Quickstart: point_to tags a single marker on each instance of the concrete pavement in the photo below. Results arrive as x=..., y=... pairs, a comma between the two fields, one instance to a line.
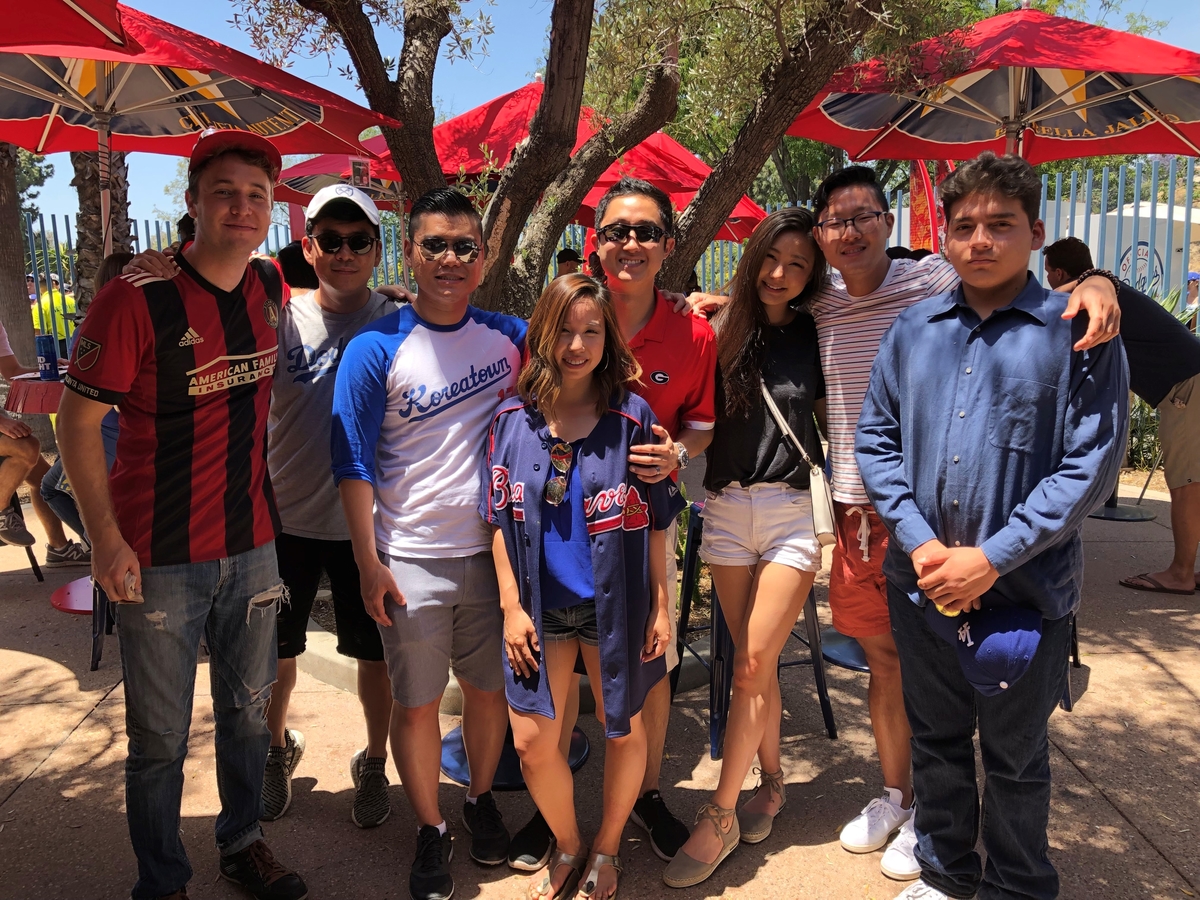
x=1126, y=766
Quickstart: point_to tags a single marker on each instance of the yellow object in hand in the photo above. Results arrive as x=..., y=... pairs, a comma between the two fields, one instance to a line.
x=951, y=613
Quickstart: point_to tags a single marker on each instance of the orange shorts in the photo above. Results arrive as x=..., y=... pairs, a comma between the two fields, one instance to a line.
x=857, y=588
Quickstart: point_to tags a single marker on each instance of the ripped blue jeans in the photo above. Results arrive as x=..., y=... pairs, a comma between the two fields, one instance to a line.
x=232, y=604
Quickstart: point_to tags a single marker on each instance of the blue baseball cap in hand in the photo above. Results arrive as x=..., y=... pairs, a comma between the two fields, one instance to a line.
x=995, y=645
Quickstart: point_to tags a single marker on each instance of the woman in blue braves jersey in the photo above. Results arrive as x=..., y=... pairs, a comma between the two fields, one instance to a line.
x=579, y=545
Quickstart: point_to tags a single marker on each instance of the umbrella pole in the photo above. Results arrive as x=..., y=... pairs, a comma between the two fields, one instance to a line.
x=105, y=159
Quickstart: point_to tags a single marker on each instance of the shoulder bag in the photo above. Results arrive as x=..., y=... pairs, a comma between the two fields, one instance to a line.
x=818, y=484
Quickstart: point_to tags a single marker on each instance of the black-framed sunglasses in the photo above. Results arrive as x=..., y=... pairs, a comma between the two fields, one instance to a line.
x=619, y=232
x=331, y=242
x=466, y=251
x=561, y=454
x=864, y=223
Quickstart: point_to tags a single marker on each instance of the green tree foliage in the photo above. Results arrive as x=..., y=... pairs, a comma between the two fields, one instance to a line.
x=32, y=172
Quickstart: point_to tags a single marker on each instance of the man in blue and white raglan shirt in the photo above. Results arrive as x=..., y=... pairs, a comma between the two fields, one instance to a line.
x=414, y=397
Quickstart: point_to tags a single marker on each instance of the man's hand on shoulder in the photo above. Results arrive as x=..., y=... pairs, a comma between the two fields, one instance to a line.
x=153, y=262
x=697, y=304
x=10, y=427
x=397, y=293
x=1098, y=298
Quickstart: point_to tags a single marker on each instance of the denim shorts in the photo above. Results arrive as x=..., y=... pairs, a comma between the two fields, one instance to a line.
x=578, y=621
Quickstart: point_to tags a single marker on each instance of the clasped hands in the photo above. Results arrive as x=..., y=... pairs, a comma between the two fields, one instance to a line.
x=954, y=578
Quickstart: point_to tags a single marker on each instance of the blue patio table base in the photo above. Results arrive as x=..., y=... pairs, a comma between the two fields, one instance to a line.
x=508, y=772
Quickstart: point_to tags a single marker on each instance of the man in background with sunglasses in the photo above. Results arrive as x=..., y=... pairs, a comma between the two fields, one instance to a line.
x=341, y=243
x=413, y=402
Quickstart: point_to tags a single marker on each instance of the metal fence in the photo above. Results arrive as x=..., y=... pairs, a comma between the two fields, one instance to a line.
x=1140, y=221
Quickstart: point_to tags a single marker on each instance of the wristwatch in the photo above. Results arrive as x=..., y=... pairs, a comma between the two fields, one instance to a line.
x=681, y=454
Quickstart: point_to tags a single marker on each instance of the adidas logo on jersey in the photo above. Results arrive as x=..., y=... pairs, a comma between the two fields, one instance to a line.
x=191, y=337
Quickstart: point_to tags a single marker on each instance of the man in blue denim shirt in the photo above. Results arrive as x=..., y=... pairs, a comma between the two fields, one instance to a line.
x=983, y=448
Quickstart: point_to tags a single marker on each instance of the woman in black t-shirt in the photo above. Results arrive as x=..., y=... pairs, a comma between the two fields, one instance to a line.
x=758, y=525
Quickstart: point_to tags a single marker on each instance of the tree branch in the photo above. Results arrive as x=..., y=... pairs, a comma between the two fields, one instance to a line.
x=789, y=84
x=519, y=284
x=409, y=97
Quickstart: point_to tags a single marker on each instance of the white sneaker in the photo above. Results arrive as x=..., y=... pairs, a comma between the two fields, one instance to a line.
x=900, y=859
x=871, y=828
x=922, y=891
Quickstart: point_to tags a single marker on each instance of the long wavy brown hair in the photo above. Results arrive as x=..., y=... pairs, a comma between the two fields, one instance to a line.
x=540, y=380
x=741, y=345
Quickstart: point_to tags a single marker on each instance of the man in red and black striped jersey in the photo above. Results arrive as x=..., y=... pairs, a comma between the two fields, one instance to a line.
x=183, y=530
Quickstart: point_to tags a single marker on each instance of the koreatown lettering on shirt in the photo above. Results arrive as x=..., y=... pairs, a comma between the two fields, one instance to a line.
x=421, y=399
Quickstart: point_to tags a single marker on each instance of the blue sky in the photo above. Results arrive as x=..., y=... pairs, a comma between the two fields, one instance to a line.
x=515, y=51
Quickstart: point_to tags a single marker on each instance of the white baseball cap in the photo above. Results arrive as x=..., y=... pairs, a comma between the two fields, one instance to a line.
x=335, y=193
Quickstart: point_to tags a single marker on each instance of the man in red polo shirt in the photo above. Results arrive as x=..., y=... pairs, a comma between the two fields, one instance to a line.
x=678, y=355
x=183, y=529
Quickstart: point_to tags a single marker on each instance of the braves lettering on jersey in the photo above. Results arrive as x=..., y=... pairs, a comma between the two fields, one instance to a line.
x=621, y=510
x=678, y=356
x=411, y=408
x=849, y=330
x=190, y=367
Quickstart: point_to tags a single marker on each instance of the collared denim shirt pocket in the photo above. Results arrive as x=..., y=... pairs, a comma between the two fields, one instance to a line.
x=1021, y=411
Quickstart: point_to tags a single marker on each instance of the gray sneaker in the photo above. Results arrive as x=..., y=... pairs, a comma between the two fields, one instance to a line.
x=277, y=779
x=371, y=803
x=13, y=530
x=73, y=554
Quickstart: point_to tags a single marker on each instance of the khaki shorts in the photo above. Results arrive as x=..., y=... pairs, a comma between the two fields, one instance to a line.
x=1179, y=433
x=763, y=522
x=452, y=618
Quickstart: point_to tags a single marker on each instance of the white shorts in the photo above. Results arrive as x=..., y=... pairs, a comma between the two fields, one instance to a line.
x=769, y=522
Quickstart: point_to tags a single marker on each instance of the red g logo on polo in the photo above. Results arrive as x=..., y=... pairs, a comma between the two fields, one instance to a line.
x=635, y=515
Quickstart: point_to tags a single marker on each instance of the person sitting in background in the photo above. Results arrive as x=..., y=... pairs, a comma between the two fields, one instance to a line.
x=54, y=488
x=31, y=288
x=1192, y=298
x=54, y=309
x=1164, y=370
x=185, y=229
x=569, y=261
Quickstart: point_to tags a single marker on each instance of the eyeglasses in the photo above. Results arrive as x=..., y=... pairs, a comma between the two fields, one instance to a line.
x=332, y=242
x=619, y=233
x=864, y=223
x=561, y=455
x=465, y=251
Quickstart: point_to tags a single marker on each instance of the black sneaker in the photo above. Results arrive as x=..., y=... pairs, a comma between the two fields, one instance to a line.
x=489, y=837
x=430, y=876
x=371, y=803
x=531, y=846
x=257, y=870
x=667, y=833
x=277, y=777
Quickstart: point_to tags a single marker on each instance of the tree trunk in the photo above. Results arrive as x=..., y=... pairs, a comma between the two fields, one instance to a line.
x=409, y=97
x=788, y=86
x=780, y=157
x=14, y=298
x=89, y=226
x=516, y=287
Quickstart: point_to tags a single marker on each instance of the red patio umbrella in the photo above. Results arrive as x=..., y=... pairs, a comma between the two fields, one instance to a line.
x=1023, y=82
x=158, y=93
x=70, y=23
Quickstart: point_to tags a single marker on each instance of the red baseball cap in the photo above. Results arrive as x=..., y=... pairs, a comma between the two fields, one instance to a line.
x=216, y=140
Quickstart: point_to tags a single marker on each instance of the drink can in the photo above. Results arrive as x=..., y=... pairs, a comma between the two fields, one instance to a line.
x=47, y=354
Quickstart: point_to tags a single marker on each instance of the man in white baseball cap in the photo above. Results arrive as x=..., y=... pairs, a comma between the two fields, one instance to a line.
x=341, y=242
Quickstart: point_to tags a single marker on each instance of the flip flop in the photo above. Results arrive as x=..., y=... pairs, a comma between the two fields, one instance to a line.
x=1156, y=588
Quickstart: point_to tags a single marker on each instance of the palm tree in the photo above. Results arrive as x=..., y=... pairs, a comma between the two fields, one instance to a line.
x=89, y=227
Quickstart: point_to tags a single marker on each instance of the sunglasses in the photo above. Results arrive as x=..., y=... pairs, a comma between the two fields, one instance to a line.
x=561, y=455
x=465, y=251
x=331, y=242
x=619, y=233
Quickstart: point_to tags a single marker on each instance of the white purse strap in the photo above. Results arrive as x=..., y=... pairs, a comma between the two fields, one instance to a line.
x=783, y=425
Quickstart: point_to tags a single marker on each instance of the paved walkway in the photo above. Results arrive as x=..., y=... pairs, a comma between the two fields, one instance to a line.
x=1125, y=822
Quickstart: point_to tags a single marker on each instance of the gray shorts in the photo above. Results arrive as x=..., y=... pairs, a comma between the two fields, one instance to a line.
x=452, y=617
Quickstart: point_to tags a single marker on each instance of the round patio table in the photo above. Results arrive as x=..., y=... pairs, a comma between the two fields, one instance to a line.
x=29, y=394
